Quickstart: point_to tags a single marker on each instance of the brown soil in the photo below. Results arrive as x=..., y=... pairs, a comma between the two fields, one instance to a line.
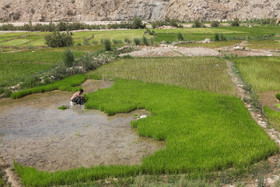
x=268, y=99
x=35, y=133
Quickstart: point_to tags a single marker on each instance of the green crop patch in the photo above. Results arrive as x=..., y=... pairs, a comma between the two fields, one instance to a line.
x=263, y=73
x=200, y=73
x=203, y=131
x=68, y=84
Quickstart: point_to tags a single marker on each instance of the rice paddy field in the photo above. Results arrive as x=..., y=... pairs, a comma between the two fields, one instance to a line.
x=193, y=104
x=199, y=73
x=263, y=74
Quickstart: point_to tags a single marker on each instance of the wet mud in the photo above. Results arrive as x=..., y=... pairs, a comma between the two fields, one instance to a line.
x=35, y=133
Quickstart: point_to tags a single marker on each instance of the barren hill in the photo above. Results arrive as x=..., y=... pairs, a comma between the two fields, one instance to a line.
x=100, y=10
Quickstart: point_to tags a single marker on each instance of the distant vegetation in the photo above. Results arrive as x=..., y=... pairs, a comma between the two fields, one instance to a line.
x=57, y=39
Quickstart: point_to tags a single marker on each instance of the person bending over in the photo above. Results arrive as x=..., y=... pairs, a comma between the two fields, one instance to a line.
x=77, y=97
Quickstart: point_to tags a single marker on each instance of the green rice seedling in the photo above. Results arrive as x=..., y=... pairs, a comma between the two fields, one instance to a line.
x=261, y=72
x=273, y=117
x=201, y=73
x=67, y=84
x=63, y=107
x=203, y=131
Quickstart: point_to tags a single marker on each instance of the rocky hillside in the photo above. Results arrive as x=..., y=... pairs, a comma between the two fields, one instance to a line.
x=100, y=10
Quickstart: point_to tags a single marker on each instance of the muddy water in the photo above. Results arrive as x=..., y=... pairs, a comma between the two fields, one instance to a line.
x=35, y=133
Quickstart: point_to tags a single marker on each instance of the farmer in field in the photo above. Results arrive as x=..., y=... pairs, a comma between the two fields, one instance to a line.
x=77, y=97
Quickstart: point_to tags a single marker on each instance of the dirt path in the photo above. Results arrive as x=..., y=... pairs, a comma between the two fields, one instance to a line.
x=173, y=51
x=258, y=117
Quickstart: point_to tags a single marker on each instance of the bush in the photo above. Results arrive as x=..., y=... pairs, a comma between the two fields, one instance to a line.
x=278, y=96
x=235, y=23
x=137, y=41
x=137, y=23
x=219, y=37
x=57, y=39
x=107, y=44
x=68, y=59
x=180, y=36
x=127, y=41
x=117, y=41
x=5, y=91
x=197, y=23
x=145, y=41
x=86, y=42
x=215, y=24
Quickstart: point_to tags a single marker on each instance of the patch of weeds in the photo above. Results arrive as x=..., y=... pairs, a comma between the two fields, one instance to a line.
x=136, y=115
x=137, y=41
x=180, y=36
x=63, y=107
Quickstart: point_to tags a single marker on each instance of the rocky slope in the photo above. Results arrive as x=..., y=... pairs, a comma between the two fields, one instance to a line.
x=100, y=10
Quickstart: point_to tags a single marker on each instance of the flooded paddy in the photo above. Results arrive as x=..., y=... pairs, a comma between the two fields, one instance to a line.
x=35, y=133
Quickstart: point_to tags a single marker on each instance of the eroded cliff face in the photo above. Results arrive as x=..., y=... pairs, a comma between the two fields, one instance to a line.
x=115, y=10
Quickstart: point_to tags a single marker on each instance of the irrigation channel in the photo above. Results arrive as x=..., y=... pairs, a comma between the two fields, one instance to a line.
x=34, y=132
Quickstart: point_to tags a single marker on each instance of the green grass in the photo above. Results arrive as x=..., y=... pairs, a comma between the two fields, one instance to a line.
x=201, y=73
x=12, y=73
x=264, y=44
x=197, y=34
x=263, y=73
x=203, y=131
x=68, y=84
x=14, y=67
x=273, y=116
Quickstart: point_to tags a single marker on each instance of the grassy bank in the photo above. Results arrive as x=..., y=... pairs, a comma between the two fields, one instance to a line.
x=68, y=84
x=201, y=73
x=203, y=132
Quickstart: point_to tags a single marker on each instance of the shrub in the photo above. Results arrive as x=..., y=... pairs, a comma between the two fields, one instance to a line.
x=5, y=91
x=70, y=13
x=137, y=23
x=30, y=82
x=68, y=59
x=127, y=41
x=107, y=45
x=145, y=40
x=215, y=24
x=235, y=23
x=278, y=96
x=219, y=37
x=180, y=36
x=117, y=41
x=197, y=23
x=137, y=41
x=86, y=41
x=94, y=42
x=149, y=32
x=57, y=39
